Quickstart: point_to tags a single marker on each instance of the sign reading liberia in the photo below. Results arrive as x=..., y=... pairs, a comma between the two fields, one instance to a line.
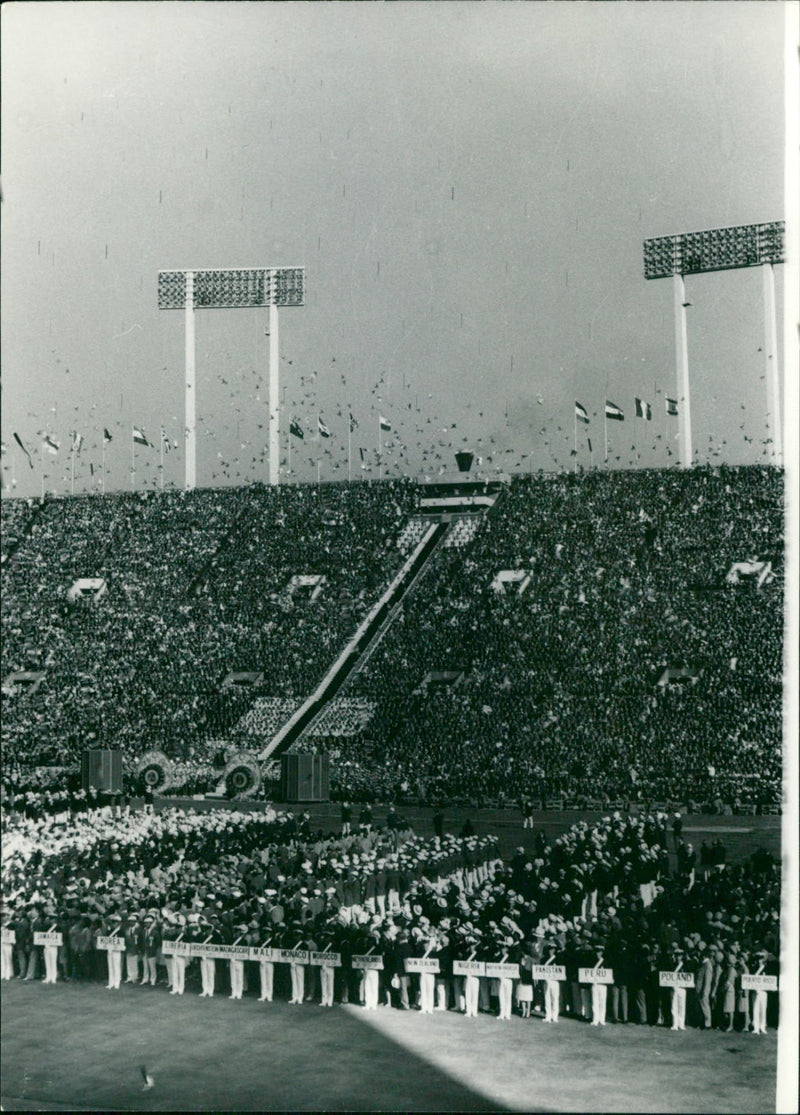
x=374, y=963
x=502, y=971
x=47, y=939
x=595, y=975
x=469, y=968
x=111, y=944
x=548, y=971
x=675, y=979
x=422, y=964
x=327, y=959
x=752, y=982
x=173, y=948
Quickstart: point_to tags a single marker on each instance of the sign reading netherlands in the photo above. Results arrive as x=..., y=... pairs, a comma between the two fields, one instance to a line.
x=469, y=968
x=752, y=982
x=548, y=971
x=675, y=979
x=595, y=975
x=502, y=971
x=9, y=937
x=327, y=959
x=422, y=964
x=374, y=963
x=111, y=944
x=48, y=939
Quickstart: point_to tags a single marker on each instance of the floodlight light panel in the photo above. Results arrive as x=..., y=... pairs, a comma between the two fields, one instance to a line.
x=232, y=288
x=717, y=249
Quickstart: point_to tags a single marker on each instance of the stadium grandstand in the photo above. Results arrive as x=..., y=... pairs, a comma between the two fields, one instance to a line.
x=602, y=637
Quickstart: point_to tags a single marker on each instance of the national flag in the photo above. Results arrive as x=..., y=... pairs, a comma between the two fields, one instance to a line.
x=643, y=410
x=50, y=444
x=18, y=440
x=138, y=436
x=384, y=423
x=91, y=468
x=323, y=429
x=353, y=423
x=296, y=429
x=363, y=455
x=106, y=436
x=580, y=413
x=589, y=441
x=77, y=442
x=672, y=406
x=614, y=412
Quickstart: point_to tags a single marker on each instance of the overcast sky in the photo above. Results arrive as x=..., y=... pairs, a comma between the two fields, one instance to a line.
x=467, y=185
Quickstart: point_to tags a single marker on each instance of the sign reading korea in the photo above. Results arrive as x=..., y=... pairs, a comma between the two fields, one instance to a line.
x=368, y=962
x=469, y=968
x=548, y=971
x=327, y=959
x=752, y=982
x=675, y=979
x=595, y=975
x=111, y=944
x=422, y=964
x=48, y=939
x=502, y=971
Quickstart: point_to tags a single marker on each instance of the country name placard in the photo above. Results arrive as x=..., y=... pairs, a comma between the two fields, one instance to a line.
x=48, y=939
x=327, y=959
x=502, y=971
x=422, y=964
x=111, y=944
x=752, y=982
x=548, y=971
x=374, y=963
x=469, y=968
x=9, y=937
x=293, y=956
x=170, y=948
x=265, y=952
x=675, y=979
x=595, y=975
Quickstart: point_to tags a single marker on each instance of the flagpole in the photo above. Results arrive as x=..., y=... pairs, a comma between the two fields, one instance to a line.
x=133, y=461
x=103, y=471
x=771, y=360
x=380, y=450
x=605, y=431
x=161, y=457
x=72, y=470
x=41, y=465
x=349, y=449
x=575, y=436
x=290, y=453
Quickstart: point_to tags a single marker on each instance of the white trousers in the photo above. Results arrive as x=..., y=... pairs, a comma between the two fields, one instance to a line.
x=599, y=997
x=371, y=988
x=326, y=978
x=427, y=982
x=506, y=997
x=551, y=1000
x=237, y=978
x=679, y=1008
x=471, y=988
x=178, y=974
x=208, y=971
x=298, y=974
x=760, y=1012
x=149, y=970
x=50, y=963
x=8, y=961
x=442, y=994
x=266, y=972
x=131, y=967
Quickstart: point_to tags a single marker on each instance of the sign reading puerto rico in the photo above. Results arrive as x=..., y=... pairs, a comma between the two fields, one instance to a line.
x=373, y=963
x=111, y=944
x=9, y=937
x=595, y=975
x=548, y=971
x=327, y=959
x=675, y=979
x=752, y=982
x=502, y=971
x=293, y=956
x=422, y=964
x=48, y=939
x=469, y=968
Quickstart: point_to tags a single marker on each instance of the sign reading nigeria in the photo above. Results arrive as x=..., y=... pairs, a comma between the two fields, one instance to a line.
x=469, y=968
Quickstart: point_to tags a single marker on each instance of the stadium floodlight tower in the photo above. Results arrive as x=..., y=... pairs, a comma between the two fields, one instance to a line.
x=229, y=289
x=720, y=249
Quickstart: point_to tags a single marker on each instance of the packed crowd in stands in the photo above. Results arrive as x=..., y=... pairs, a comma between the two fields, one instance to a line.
x=560, y=690
x=558, y=694
x=198, y=585
x=601, y=895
